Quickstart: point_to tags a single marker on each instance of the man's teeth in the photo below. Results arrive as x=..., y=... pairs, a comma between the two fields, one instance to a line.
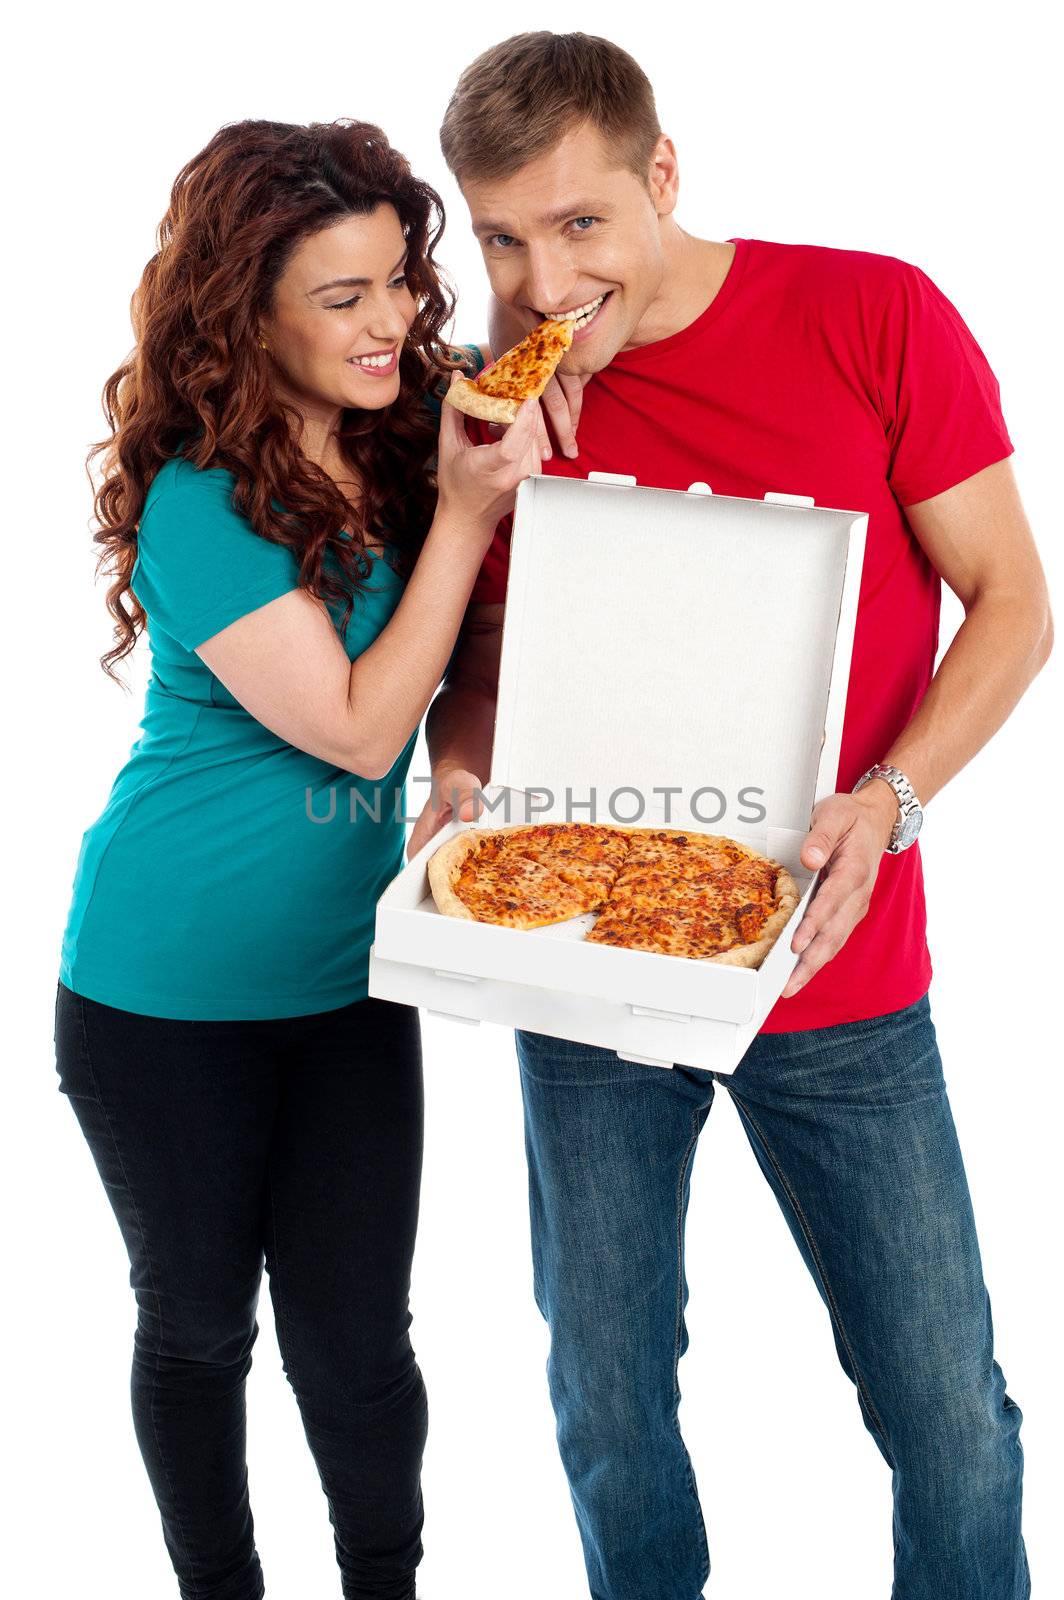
x=373, y=361
x=580, y=316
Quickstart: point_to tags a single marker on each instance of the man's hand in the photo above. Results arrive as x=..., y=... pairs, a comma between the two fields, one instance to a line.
x=560, y=405
x=452, y=794
x=848, y=832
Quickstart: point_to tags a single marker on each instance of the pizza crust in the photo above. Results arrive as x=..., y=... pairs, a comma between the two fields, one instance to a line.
x=444, y=868
x=752, y=955
x=466, y=397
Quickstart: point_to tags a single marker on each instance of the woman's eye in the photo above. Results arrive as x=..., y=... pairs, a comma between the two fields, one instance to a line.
x=345, y=305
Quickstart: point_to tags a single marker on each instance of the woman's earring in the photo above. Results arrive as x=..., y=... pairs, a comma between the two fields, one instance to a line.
x=263, y=345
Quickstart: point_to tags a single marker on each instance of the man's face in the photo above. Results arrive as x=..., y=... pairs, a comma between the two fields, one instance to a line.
x=572, y=230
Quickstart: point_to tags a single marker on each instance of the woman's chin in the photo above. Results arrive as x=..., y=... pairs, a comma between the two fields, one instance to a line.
x=371, y=394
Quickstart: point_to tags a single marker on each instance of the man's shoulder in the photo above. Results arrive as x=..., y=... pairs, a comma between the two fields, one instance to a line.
x=829, y=272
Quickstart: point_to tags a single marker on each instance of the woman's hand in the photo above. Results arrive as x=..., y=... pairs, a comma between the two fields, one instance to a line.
x=478, y=483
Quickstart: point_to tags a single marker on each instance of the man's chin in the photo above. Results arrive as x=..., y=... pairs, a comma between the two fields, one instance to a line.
x=586, y=359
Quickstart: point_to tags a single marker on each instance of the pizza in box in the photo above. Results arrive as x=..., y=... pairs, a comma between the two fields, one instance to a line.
x=704, y=897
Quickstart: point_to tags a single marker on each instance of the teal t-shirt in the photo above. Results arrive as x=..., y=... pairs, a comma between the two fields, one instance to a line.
x=230, y=875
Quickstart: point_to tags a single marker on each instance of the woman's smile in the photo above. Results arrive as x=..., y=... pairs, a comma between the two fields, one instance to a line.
x=377, y=363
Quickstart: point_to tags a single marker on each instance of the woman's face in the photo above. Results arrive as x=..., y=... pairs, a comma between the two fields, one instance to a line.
x=340, y=315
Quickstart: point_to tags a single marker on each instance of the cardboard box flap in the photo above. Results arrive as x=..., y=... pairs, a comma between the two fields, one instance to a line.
x=662, y=640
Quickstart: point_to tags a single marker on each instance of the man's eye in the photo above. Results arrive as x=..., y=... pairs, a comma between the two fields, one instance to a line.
x=577, y=221
x=502, y=240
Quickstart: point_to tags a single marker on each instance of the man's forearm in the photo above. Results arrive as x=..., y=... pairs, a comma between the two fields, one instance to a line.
x=999, y=649
x=459, y=729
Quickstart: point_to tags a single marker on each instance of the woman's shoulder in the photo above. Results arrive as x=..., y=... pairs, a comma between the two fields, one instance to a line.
x=472, y=359
x=477, y=354
x=180, y=486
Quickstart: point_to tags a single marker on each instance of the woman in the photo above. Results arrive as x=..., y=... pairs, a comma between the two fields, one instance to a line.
x=271, y=509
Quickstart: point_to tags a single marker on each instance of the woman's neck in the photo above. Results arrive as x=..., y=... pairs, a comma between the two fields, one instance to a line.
x=318, y=440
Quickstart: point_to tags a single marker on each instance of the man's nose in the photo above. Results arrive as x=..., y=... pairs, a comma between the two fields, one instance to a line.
x=548, y=282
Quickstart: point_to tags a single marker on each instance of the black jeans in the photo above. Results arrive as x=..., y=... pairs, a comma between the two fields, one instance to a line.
x=299, y=1141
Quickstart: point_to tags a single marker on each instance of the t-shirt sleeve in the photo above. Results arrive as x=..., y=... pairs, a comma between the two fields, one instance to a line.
x=940, y=400
x=200, y=563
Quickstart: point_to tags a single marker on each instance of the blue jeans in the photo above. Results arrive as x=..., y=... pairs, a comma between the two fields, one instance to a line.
x=851, y=1126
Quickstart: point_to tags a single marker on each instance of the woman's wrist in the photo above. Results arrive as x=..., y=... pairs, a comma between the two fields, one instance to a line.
x=459, y=527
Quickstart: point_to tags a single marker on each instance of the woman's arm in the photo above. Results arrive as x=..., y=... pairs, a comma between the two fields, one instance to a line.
x=285, y=662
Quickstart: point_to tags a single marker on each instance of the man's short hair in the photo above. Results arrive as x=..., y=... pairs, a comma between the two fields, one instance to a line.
x=517, y=100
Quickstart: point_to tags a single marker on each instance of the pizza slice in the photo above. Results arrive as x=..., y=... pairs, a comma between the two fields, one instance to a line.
x=583, y=854
x=497, y=393
x=682, y=853
x=471, y=876
x=731, y=915
x=698, y=935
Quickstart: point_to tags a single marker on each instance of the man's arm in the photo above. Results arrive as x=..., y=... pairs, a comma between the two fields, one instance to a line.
x=978, y=538
x=460, y=725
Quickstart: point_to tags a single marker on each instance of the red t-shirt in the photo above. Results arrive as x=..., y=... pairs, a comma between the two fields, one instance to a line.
x=851, y=378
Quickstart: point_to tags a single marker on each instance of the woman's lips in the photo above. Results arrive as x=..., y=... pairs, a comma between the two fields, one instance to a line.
x=375, y=371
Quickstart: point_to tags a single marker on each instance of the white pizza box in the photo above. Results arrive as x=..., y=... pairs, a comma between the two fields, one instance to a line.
x=654, y=640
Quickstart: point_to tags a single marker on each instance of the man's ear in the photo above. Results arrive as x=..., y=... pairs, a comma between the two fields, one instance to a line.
x=663, y=176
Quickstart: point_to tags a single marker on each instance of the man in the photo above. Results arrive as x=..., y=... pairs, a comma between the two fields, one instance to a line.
x=849, y=377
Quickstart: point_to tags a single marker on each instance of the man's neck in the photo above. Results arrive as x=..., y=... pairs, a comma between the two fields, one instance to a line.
x=694, y=272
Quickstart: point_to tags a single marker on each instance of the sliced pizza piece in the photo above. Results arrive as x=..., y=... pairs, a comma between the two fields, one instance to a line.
x=497, y=393
x=664, y=931
x=583, y=854
x=732, y=915
x=675, y=850
x=471, y=877
x=557, y=842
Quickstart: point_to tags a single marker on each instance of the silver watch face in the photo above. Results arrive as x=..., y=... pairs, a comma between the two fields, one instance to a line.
x=908, y=827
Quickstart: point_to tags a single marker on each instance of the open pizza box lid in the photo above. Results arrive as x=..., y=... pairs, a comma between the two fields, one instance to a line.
x=676, y=658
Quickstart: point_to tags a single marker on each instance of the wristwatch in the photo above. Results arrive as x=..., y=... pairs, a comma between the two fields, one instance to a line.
x=910, y=811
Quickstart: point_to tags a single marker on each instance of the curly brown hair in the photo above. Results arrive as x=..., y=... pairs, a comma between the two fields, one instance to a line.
x=196, y=383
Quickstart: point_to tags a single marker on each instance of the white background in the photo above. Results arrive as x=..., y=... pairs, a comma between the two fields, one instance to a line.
x=920, y=131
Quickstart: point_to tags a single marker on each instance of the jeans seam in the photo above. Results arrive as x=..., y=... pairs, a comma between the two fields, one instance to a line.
x=833, y=1304
x=151, y=1275
x=684, y=1164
